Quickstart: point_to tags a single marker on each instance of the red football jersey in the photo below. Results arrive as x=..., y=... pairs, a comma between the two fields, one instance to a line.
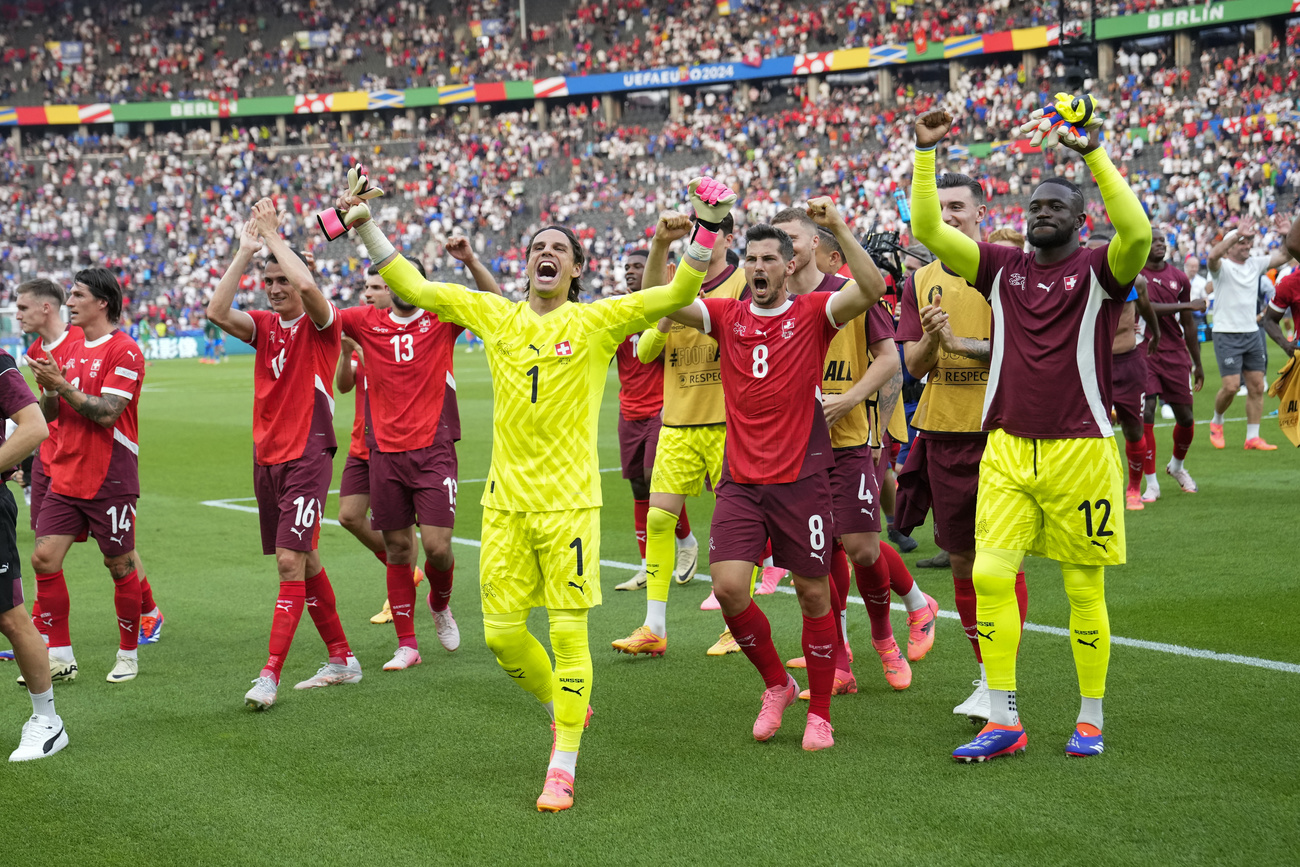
x=59, y=350
x=410, y=359
x=358, y=448
x=1170, y=286
x=640, y=386
x=92, y=461
x=1287, y=296
x=771, y=381
x=293, y=379
x=1053, y=326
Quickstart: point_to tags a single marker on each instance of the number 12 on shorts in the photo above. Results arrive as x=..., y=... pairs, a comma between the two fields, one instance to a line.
x=1102, y=509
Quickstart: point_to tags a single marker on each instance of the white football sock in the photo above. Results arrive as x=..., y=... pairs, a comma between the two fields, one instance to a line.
x=1175, y=464
x=656, y=616
x=688, y=541
x=43, y=703
x=844, y=625
x=984, y=678
x=129, y=654
x=767, y=562
x=565, y=761
x=63, y=653
x=550, y=709
x=1218, y=418
x=642, y=564
x=1252, y=431
x=1090, y=711
x=1151, y=480
x=1002, y=707
x=915, y=599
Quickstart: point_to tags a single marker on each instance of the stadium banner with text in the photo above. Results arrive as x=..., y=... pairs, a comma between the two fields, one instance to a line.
x=1200, y=15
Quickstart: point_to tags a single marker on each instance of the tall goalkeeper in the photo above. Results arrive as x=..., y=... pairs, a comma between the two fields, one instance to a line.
x=1051, y=479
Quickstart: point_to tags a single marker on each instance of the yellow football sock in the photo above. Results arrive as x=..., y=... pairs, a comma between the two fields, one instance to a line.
x=1089, y=626
x=572, y=682
x=660, y=552
x=997, y=615
x=519, y=653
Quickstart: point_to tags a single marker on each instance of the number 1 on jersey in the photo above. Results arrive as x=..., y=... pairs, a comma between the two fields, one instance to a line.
x=532, y=371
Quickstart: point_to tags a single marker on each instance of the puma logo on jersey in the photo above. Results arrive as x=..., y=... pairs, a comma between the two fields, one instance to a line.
x=117, y=539
x=297, y=532
x=821, y=558
x=1101, y=545
x=581, y=588
x=534, y=349
x=870, y=513
x=1047, y=287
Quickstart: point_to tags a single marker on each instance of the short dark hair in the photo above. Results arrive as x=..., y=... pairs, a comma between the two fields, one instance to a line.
x=828, y=241
x=104, y=286
x=953, y=180
x=271, y=260
x=43, y=288
x=579, y=257
x=638, y=251
x=768, y=232
x=794, y=215
x=728, y=224
x=1069, y=185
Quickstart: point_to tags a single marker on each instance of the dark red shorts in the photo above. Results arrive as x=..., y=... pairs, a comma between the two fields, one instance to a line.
x=855, y=491
x=291, y=500
x=356, y=478
x=1169, y=375
x=40, y=487
x=797, y=517
x=1129, y=384
x=418, y=486
x=637, y=441
x=941, y=475
x=110, y=519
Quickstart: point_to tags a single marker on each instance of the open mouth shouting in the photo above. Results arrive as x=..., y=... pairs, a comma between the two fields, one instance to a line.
x=547, y=272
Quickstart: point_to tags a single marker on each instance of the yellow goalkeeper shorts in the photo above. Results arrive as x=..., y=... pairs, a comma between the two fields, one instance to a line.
x=1062, y=499
x=539, y=559
x=684, y=456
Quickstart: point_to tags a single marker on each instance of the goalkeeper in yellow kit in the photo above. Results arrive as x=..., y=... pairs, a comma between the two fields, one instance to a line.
x=1051, y=480
x=549, y=357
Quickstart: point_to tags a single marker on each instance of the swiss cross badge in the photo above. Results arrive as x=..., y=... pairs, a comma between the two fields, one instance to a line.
x=787, y=329
x=563, y=348
x=1070, y=281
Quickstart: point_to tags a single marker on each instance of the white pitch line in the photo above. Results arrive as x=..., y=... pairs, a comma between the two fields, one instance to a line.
x=218, y=503
x=1157, y=646
x=1206, y=421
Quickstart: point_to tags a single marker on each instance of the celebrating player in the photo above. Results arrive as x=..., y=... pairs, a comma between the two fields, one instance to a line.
x=94, y=471
x=775, y=482
x=549, y=357
x=1170, y=292
x=1050, y=476
x=297, y=345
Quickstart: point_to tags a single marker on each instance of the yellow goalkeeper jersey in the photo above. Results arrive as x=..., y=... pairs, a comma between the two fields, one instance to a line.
x=548, y=380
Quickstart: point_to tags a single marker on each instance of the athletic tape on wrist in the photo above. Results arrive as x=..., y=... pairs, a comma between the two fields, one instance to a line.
x=701, y=243
x=379, y=247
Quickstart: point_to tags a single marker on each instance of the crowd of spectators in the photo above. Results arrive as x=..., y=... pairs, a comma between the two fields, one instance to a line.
x=163, y=212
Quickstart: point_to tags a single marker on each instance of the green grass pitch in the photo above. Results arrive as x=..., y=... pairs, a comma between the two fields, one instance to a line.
x=441, y=764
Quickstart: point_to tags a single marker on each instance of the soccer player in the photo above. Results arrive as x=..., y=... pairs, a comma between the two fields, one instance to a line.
x=1238, y=344
x=1286, y=297
x=775, y=482
x=94, y=471
x=640, y=418
x=694, y=428
x=297, y=345
x=43, y=733
x=549, y=358
x=848, y=381
x=1179, y=350
x=1050, y=475
x=944, y=327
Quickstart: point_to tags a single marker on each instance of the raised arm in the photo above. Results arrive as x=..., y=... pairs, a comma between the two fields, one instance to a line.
x=1292, y=240
x=459, y=248
x=671, y=227
x=712, y=202
x=867, y=286
x=1127, y=253
x=236, y=323
x=267, y=222
x=954, y=248
x=1285, y=253
x=1219, y=250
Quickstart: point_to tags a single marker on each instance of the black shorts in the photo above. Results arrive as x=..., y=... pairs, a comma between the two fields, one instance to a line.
x=11, y=579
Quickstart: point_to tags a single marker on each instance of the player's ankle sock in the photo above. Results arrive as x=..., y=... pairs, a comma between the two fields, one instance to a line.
x=1175, y=465
x=753, y=633
x=147, y=606
x=1183, y=436
x=440, y=582
x=819, y=654
x=550, y=709
x=1252, y=431
x=639, y=510
x=126, y=601
x=520, y=654
x=1149, y=449
x=900, y=579
x=1090, y=711
x=382, y=557
x=564, y=760
x=660, y=554
x=1153, y=483
x=767, y=555
x=284, y=622
x=61, y=652
x=319, y=597
x=1218, y=418
x=983, y=674
x=401, y=599
x=656, y=616
x=964, y=590
x=1137, y=455
x=1022, y=598
x=873, y=586
x=52, y=597
x=1002, y=707
x=133, y=653
x=572, y=681
x=684, y=534
x=43, y=702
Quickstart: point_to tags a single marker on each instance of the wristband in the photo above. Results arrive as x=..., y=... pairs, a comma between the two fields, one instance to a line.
x=379, y=247
x=703, y=238
x=49, y=392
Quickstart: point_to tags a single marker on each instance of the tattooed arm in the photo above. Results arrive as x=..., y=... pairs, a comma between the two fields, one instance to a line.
x=102, y=410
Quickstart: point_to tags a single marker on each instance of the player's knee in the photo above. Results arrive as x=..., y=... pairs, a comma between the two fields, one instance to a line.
x=863, y=552
x=994, y=572
x=1084, y=585
x=292, y=565
x=45, y=560
x=399, y=548
x=13, y=620
x=353, y=520
x=640, y=488
x=120, y=566
x=437, y=551
x=569, y=634
x=658, y=521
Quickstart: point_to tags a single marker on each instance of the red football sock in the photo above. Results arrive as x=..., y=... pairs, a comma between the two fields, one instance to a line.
x=819, y=654
x=319, y=595
x=382, y=557
x=1183, y=435
x=1022, y=598
x=1137, y=454
x=146, y=596
x=52, y=599
x=1149, y=463
x=840, y=580
x=900, y=579
x=439, y=586
x=401, y=599
x=965, y=591
x=873, y=585
x=683, y=524
x=767, y=551
x=126, y=601
x=640, y=508
x=754, y=635
x=288, y=611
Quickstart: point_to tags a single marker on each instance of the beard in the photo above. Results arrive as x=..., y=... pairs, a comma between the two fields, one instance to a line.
x=1057, y=238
